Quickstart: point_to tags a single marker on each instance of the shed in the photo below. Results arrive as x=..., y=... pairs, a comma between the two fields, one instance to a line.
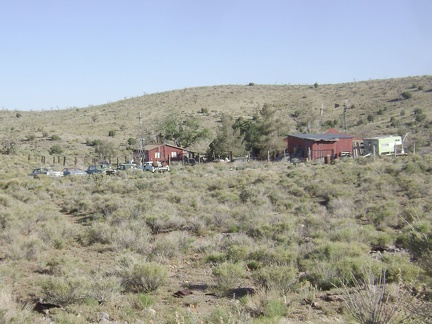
x=383, y=145
x=162, y=152
x=315, y=146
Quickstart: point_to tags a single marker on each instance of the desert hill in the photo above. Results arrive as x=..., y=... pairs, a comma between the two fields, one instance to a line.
x=374, y=107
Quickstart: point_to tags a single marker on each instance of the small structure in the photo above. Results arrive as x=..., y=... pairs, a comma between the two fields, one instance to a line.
x=383, y=145
x=161, y=153
x=314, y=146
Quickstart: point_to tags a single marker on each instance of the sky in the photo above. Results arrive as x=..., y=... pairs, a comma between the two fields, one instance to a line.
x=58, y=54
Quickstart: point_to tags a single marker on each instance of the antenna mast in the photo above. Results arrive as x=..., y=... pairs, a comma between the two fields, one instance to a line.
x=140, y=143
x=344, y=114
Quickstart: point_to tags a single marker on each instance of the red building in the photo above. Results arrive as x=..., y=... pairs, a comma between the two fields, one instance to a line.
x=315, y=146
x=162, y=153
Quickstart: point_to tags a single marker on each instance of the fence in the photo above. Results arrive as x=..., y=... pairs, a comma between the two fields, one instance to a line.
x=74, y=161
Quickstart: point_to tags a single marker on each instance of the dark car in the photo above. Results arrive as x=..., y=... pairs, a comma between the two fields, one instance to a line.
x=74, y=171
x=100, y=168
x=127, y=166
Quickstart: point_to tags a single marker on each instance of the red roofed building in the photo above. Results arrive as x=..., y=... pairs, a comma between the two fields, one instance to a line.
x=162, y=153
x=314, y=146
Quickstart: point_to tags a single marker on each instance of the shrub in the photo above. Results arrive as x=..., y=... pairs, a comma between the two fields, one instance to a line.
x=280, y=278
x=55, y=138
x=112, y=133
x=142, y=277
x=12, y=311
x=104, y=288
x=228, y=275
x=64, y=290
x=131, y=141
x=373, y=300
x=18, y=115
x=55, y=149
x=275, y=308
x=406, y=95
x=31, y=137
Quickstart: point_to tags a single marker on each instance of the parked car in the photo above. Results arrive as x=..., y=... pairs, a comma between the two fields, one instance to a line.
x=46, y=171
x=127, y=166
x=155, y=167
x=283, y=157
x=74, y=171
x=100, y=168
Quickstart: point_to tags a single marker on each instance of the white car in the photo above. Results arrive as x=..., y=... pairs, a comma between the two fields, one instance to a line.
x=150, y=166
x=46, y=171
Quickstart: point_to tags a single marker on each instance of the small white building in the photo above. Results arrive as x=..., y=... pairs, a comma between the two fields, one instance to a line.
x=383, y=145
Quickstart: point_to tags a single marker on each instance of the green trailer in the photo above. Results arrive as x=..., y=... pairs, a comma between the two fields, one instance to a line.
x=383, y=145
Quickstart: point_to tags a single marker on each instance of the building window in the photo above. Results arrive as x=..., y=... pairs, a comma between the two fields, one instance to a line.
x=174, y=154
x=157, y=155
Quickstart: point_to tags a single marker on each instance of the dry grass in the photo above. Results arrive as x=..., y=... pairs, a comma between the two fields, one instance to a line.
x=289, y=233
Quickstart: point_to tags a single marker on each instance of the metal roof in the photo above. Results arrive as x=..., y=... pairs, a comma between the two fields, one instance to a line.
x=328, y=137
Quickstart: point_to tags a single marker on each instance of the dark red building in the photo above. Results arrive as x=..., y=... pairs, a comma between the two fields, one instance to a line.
x=162, y=153
x=315, y=146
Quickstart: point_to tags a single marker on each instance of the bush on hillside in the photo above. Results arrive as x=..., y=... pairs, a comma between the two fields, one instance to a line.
x=406, y=95
x=55, y=149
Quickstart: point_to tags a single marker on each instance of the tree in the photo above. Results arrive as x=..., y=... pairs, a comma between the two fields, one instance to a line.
x=228, y=139
x=262, y=133
x=104, y=149
x=183, y=132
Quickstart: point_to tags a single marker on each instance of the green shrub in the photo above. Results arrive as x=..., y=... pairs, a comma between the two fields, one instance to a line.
x=131, y=141
x=55, y=149
x=228, y=275
x=142, y=277
x=112, y=133
x=279, y=278
x=406, y=95
x=142, y=301
x=30, y=137
x=104, y=288
x=64, y=290
x=55, y=138
x=275, y=308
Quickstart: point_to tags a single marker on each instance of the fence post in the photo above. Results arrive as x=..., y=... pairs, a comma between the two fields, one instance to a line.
x=64, y=160
x=76, y=161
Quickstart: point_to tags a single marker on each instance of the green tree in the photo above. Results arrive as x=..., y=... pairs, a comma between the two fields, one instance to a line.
x=104, y=149
x=183, y=132
x=262, y=133
x=228, y=139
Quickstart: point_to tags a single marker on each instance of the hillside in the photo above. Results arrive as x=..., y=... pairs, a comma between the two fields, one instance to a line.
x=375, y=107
x=244, y=242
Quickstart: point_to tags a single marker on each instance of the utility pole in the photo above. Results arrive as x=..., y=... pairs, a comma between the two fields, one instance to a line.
x=140, y=144
x=344, y=114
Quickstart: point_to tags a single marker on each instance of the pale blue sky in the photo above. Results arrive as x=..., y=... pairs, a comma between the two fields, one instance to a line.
x=64, y=53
